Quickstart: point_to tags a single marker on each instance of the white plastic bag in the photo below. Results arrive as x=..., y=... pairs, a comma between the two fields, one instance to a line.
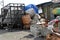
x=31, y=11
x=50, y=27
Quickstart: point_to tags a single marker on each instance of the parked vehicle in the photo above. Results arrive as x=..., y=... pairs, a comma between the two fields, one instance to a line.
x=12, y=15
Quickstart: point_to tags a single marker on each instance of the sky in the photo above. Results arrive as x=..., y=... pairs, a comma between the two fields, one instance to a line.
x=26, y=2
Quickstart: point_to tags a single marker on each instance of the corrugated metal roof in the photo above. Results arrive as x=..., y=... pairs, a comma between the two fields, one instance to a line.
x=45, y=4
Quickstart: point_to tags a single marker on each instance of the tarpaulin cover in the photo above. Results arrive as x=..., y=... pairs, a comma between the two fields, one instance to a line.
x=31, y=6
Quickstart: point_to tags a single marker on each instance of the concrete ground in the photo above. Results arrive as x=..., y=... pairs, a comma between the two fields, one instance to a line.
x=17, y=35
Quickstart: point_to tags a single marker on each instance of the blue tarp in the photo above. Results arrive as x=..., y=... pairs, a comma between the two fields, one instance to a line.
x=31, y=6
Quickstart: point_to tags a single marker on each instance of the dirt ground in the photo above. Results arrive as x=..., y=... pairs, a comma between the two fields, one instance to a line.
x=17, y=35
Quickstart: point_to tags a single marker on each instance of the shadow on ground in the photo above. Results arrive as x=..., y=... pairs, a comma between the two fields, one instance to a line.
x=2, y=31
x=39, y=38
x=31, y=36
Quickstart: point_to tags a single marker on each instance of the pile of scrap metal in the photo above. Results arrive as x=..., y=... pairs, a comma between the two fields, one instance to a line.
x=12, y=15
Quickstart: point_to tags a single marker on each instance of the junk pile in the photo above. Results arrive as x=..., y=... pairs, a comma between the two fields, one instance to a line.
x=32, y=11
x=12, y=15
x=36, y=26
x=30, y=19
x=55, y=28
x=41, y=27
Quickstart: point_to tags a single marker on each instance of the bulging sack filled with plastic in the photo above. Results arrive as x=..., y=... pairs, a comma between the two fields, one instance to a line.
x=50, y=27
x=31, y=12
x=38, y=30
x=51, y=24
x=31, y=9
x=35, y=8
x=35, y=29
